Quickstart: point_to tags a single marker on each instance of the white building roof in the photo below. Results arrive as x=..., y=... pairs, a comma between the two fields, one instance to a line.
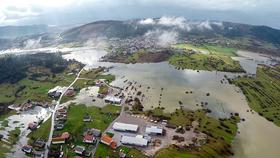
x=125, y=127
x=153, y=129
x=112, y=99
x=134, y=140
x=57, y=89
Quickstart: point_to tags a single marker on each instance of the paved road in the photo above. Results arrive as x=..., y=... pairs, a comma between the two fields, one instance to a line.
x=53, y=114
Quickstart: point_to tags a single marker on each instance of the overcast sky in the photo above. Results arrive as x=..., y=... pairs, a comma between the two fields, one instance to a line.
x=60, y=12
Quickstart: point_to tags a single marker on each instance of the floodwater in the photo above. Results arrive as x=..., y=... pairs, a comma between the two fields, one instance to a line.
x=258, y=137
x=22, y=120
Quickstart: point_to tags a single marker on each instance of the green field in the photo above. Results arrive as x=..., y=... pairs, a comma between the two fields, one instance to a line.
x=104, y=151
x=263, y=92
x=208, y=49
x=33, y=89
x=200, y=61
x=41, y=133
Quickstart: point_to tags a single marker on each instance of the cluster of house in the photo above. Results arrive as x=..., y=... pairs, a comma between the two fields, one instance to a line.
x=57, y=91
x=90, y=136
x=60, y=118
x=132, y=45
x=37, y=145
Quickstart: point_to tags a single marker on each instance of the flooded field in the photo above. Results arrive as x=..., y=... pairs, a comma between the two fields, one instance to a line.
x=22, y=120
x=258, y=137
x=163, y=85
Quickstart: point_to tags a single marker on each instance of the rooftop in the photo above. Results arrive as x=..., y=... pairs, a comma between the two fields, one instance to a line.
x=134, y=140
x=125, y=127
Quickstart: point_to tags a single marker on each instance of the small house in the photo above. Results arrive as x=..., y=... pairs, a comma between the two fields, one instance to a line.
x=39, y=144
x=107, y=140
x=27, y=149
x=79, y=150
x=61, y=139
x=32, y=126
x=38, y=155
x=89, y=139
x=59, y=126
x=87, y=118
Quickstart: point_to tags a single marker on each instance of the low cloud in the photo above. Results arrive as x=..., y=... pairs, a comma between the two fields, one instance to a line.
x=172, y=21
x=182, y=23
x=148, y=21
x=33, y=43
x=163, y=38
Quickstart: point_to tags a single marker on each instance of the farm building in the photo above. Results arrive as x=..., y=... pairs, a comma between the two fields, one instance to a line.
x=118, y=126
x=154, y=130
x=137, y=140
x=112, y=100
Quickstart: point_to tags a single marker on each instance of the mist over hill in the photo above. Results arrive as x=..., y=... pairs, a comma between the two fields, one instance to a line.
x=242, y=36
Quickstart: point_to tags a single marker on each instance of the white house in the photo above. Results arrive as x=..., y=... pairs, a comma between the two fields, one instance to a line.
x=118, y=126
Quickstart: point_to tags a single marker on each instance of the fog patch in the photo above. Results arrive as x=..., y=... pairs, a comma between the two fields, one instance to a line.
x=99, y=42
x=33, y=43
x=163, y=38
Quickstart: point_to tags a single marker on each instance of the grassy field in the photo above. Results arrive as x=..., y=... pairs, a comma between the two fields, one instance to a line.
x=34, y=89
x=208, y=49
x=4, y=148
x=101, y=118
x=104, y=151
x=263, y=92
x=103, y=89
x=171, y=152
x=200, y=61
x=6, y=115
x=14, y=135
x=42, y=132
x=220, y=133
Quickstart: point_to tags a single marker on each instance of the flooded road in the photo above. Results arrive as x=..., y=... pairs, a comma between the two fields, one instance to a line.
x=258, y=137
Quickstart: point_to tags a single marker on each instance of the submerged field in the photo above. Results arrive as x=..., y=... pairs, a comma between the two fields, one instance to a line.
x=262, y=92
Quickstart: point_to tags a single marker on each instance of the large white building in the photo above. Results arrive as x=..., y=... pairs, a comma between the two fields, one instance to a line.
x=112, y=100
x=118, y=126
x=154, y=130
x=137, y=140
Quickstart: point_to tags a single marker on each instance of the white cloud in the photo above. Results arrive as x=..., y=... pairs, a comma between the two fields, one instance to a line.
x=182, y=23
x=172, y=21
x=148, y=21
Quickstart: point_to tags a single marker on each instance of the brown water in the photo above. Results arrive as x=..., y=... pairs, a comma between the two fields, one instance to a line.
x=258, y=137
